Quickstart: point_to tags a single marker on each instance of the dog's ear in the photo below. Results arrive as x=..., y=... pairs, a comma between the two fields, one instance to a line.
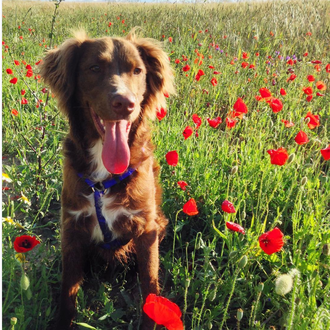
x=58, y=70
x=160, y=78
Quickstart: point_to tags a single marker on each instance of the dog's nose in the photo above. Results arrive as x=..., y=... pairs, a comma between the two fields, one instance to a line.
x=123, y=104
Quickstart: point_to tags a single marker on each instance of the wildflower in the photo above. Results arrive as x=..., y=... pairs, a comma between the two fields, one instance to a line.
x=326, y=153
x=310, y=78
x=230, y=123
x=197, y=120
x=282, y=91
x=292, y=77
x=244, y=64
x=186, y=68
x=14, y=112
x=25, y=199
x=278, y=156
x=190, y=207
x=271, y=241
x=309, y=98
x=24, y=101
x=287, y=123
x=301, y=138
x=235, y=227
x=187, y=132
x=5, y=177
x=182, y=184
x=240, y=107
x=25, y=243
x=321, y=86
x=29, y=73
x=172, y=158
x=16, y=62
x=13, y=81
x=314, y=120
x=9, y=71
x=163, y=312
x=228, y=207
x=264, y=92
x=283, y=284
x=275, y=104
x=308, y=90
x=161, y=113
x=214, y=122
x=327, y=68
x=170, y=39
x=214, y=81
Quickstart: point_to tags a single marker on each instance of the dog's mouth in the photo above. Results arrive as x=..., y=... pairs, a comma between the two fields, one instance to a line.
x=115, y=152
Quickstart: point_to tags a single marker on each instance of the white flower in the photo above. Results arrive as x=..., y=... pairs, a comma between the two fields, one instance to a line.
x=283, y=284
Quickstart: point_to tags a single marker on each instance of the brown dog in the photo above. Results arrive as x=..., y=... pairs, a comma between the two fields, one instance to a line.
x=109, y=88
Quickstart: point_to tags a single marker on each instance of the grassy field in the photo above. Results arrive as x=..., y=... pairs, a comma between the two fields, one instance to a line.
x=211, y=272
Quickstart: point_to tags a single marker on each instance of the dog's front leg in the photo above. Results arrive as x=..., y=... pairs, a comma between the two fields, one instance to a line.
x=73, y=262
x=148, y=262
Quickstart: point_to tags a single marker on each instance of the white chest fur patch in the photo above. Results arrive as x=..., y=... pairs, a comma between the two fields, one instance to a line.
x=100, y=173
x=110, y=215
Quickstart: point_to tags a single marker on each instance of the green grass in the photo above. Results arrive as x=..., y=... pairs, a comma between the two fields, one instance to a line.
x=200, y=268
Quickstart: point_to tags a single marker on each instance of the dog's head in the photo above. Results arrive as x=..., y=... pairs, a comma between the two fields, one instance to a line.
x=110, y=83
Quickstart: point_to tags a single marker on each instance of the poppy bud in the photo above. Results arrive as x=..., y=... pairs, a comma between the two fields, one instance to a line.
x=213, y=294
x=234, y=170
x=243, y=215
x=29, y=294
x=304, y=181
x=13, y=321
x=200, y=244
x=209, y=325
x=187, y=282
x=291, y=158
x=243, y=262
x=232, y=254
x=25, y=282
x=260, y=287
x=326, y=250
x=239, y=314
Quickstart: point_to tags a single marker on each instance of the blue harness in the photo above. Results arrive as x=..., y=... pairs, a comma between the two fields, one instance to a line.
x=100, y=189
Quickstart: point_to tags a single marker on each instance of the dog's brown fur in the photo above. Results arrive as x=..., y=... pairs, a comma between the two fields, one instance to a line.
x=88, y=73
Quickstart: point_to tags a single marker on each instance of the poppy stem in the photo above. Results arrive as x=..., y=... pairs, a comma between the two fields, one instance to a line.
x=175, y=228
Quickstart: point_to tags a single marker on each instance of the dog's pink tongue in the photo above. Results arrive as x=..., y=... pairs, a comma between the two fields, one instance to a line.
x=115, y=153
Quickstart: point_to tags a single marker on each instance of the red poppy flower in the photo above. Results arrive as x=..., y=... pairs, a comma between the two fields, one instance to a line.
x=319, y=94
x=308, y=90
x=326, y=153
x=230, y=123
x=287, y=123
x=214, y=122
x=309, y=98
x=278, y=156
x=321, y=86
x=264, y=92
x=170, y=39
x=29, y=73
x=301, y=138
x=161, y=113
x=25, y=243
x=190, y=207
x=187, y=132
x=272, y=241
x=244, y=64
x=235, y=227
x=214, y=82
x=275, y=104
x=240, y=107
x=163, y=312
x=310, y=78
x=327, y=68
x=14, y=112
x=292, y=77
x=172, y=158
x=182, y=184
x=16, y=62
x=228, y=207
x=177, y=61
x=22, y=92
x=314, y=120
x=197, y=120
x=13, y=81
x=186, y=68
x=282, y=91
x=24, y=101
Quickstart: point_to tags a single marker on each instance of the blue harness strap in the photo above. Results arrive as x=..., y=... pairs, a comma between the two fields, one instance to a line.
x=100, y=189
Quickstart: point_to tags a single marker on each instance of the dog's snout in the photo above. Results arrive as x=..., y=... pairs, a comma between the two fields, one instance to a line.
x=123, y=104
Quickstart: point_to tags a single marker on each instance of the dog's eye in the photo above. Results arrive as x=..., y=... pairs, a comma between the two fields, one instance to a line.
x=137, y=71
x=95, y=68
